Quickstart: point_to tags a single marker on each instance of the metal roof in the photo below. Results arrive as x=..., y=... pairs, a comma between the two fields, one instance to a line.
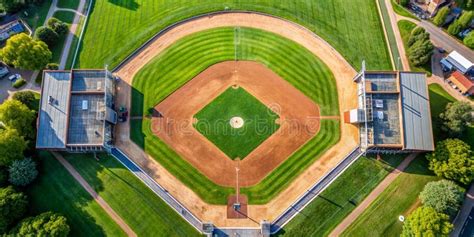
x=460, y=62
x=53, y=114
x=418, y=133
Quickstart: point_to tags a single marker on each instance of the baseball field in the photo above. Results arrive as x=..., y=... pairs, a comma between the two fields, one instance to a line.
x=185, y=59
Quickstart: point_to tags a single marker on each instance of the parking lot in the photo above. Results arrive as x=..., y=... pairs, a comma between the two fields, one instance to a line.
x=6, y=86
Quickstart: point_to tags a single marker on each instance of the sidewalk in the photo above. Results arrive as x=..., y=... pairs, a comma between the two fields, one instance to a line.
x=72, y=32
x=372, y=196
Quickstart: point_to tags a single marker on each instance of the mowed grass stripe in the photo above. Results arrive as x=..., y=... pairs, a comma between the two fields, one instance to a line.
x=188, y=57
x=354, y=28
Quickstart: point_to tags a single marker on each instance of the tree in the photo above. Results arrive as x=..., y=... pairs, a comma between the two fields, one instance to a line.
x=454, y=28
x=425, y=221
x=23, y=52
x=3, y=176
x=58, y=26
x=12, y=146
x=452, y=159
x=465, y=19
x=45, y=224
x=47, y=35
x=456, y=117
x=12, y=6
x=27, y=98
x=18, y=116
x=418, y=34
x=22, y=172
x=444, y=196
x=440, y=17
x=469, y=40
x=12, y=207
x=420, y=52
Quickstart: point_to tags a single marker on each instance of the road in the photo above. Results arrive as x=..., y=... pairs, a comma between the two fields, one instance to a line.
x=463, y=215
x=442, y=39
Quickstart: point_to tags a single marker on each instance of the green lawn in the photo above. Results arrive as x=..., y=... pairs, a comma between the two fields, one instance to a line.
x=390, y=34
x=214, y=122
x=399, y=198
x=402, y=11
x=56, y=190
x=325, y=212
x=116, y=28
x=191, y=55
x=36, y=14
x=140, y=208
x=75, y=42
x=65, y=16
x=406, y=27
x=71, y=4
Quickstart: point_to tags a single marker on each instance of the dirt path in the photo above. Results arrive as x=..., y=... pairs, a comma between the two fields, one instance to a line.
x=372, y=196
x=72, y=31
x=96, y=196
x=347, y=92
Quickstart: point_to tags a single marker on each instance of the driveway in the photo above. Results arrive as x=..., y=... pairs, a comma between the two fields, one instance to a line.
x=6, y=88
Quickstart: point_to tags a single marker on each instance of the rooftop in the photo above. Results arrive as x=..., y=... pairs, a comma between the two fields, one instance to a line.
x=460, y=62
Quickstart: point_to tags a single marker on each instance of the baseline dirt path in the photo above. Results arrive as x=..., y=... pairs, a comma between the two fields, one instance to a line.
x=347, y=93
x=94, y=194
x=299, y=121
x=372, y=196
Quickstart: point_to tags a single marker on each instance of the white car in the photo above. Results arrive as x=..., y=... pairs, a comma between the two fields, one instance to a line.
x=14, y=77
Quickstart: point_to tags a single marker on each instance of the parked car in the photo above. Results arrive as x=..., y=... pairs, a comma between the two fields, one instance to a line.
x=3, y=71
x=14, y=77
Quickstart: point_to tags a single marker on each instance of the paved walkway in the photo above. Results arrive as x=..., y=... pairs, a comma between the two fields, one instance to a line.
x=72, y=32
x=94, y=194
x=372, y=196
x=401, y=49
x=464, y=213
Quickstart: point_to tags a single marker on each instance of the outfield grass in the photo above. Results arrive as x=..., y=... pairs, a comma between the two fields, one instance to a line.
x=191, y=55
x=214, y=118
x=116, y=28
x=36, y=14
x=406, y=27
x=136, y=204
x=56, y=190
x=325, y=212
x=71, y=4
x=399, y=198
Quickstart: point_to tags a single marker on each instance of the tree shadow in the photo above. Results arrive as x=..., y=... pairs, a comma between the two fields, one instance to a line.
x=129, y=4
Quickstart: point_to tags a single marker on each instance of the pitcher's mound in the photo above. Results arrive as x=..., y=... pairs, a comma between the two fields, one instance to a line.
x=236, y=122
x=237, y=213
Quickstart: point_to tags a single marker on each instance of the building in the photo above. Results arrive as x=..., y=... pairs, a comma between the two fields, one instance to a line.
x=76, y=111
x=463, y=84
x=434, y=6
x=11, y=28
x=457, y=61
x=393, y=114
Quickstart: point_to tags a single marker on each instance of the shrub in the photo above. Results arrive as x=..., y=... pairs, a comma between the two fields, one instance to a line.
x=469, y=40
x=465, y=19
x=45, y=224
x=47, y=35
x=440, y=17
x=456, y=117
x=22, y=172
x=444, y=196
x=58, y=26
x=425, y=221
x=454, y=28
x=52, y=66
x=27, y=98
x=452, y=159
x=19, y=83
x=404, y=2
x=12, y=207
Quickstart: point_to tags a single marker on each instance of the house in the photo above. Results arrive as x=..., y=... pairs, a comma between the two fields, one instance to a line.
x=435, y=5
x=457, y=61
x=393, y=113
x=76, y=111
x=463, y=83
